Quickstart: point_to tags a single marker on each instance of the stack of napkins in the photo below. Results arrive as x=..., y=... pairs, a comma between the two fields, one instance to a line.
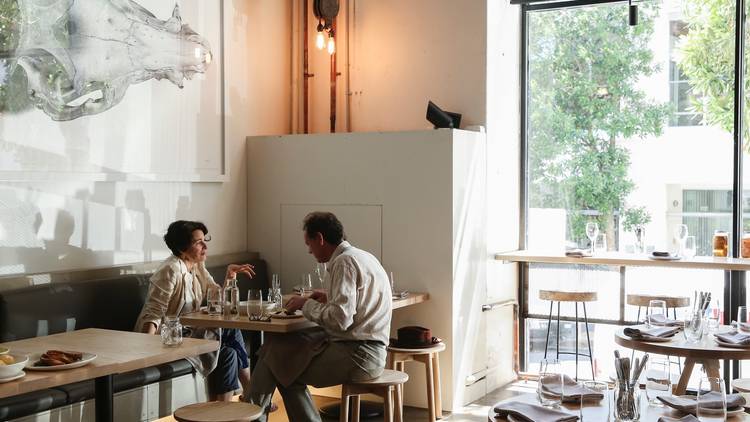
x=734, y=337
x=713, y=401
x=571, y=391
x=662, y=321
x=647, y=334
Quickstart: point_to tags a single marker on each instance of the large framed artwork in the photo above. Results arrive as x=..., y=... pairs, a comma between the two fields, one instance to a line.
x=112, y=90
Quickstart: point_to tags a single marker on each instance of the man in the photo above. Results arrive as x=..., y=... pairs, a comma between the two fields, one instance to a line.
x=355, y=319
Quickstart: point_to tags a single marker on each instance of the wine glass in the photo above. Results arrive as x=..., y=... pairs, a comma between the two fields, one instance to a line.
x=657, y=312
x=658, y=380
x=592, y=232
x=712, y=400
x=550, y=371
x=680, y=233
x=320, y=272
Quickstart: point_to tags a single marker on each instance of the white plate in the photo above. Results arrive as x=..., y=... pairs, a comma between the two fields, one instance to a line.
x=665, y=258
x=87, y=358
x=733, y=346
x=14, y=377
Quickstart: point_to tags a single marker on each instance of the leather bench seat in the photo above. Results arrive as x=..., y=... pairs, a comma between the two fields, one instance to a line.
x=112, y=303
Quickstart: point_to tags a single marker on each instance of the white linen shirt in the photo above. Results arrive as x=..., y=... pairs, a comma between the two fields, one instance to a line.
x=359, y=298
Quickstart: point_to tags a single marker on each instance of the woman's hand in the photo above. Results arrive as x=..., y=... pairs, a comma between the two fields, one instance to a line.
x=233, y=269
x=295, y=303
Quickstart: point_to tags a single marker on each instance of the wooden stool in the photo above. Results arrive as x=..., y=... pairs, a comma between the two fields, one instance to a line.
x=672, y=302
x=429, y=356
x=218, y=411
x=575, y=297
x=382, y=386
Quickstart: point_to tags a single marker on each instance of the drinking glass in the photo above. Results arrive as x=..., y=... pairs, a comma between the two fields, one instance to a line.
x=549, y=371
x=602, y=388
x=171, y=331
x=601, y=242
x=680, y=233
x=392, y=280
x=320, y=272
x=690, y=247
x=693, y=326
x=627, y=402
x=275, y=282
x=656, y=308
x=213, y=300
x=592, y=231
x=743, y=323
x=306, y=284
x=713, y=314
x=255, y=303
x=658, y=380
x=712, y=400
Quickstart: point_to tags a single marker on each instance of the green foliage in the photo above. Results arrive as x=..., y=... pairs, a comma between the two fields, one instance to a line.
x=9, y=33
x=634, y=217
x=584, y=69
x=707, y=59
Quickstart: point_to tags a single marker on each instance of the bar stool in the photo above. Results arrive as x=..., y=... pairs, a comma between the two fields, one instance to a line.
x=575, y=297
x=383, y=386
x=429, y=357
x=218, y=411
x=672, y=302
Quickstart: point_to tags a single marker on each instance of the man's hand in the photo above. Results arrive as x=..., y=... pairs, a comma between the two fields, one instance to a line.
x=295, y=303
x=233, y=269
x=319, y=295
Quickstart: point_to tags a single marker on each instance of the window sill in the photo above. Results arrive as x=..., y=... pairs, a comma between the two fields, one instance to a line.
x=622, y=259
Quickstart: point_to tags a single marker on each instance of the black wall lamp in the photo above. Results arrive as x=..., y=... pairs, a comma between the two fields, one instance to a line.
x=326, y=11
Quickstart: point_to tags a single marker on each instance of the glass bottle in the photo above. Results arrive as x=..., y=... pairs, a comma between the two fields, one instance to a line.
x=231, y=299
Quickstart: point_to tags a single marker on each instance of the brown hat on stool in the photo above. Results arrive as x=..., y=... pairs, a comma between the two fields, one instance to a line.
x=414, y=337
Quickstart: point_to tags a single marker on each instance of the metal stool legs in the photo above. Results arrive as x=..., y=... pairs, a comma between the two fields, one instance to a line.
x=557, y=345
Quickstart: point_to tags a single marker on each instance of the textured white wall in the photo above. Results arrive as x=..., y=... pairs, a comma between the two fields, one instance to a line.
x=52, y=225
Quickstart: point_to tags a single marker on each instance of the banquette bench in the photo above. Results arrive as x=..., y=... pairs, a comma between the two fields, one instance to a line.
x=112, y=303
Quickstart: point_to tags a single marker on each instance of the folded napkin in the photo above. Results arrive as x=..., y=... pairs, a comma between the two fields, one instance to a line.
x=647, y=334
x=686, y=418
x=662, y=321
x=688, y=405
x=734, y=337
x=577, y=253
x=528, y=412
x=571, y=391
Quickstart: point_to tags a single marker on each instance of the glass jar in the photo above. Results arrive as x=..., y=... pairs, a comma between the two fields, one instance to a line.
x=171, y=331
x=627, y=402
x=721, y=243
x=745, y=245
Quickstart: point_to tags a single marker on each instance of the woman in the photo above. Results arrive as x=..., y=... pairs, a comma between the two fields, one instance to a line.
x=178, y=287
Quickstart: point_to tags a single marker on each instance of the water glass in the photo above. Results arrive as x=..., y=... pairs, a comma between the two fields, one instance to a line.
x=549, y=371
x=658, y=380
x=602, y=388
x=254, y=303
x=693, y=327
x=275, y=282
x=657, y=309
x=712, y=400
x=714, y=316
x=690, y=247
x=601, y=243
x=743, y=322
x=392, y=280
x=306, y=284
x=171, y=331
x=213, y=301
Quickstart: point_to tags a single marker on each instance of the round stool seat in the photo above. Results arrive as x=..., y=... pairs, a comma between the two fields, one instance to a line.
x=671, y=301
x=388, y=377
x=438, y=347
x=742, y=385
x=218, y=411
x=560, y=296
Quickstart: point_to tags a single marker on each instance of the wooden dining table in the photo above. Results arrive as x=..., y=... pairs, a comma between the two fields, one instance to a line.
x=705, y=352
x=600, y=411
x=116, y=352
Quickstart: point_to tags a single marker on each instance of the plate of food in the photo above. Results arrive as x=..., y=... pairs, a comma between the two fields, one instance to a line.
x=55, y=360
x=283, y=314
x=12, y=364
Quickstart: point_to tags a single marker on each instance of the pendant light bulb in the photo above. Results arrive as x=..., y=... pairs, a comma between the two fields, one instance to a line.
x=331, y=45
x=320, y=40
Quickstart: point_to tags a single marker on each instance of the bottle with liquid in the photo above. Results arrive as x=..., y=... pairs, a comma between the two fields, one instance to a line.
x=721, y=243
x=231, y=299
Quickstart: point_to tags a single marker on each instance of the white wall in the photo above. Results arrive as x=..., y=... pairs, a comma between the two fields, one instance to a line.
x=417, y=198
x=52, y=225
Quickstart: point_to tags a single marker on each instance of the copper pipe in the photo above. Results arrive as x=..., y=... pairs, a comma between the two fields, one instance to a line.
x=334, y=74
x=305, y=68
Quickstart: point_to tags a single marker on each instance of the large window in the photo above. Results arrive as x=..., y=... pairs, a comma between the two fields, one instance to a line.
x=604, y=106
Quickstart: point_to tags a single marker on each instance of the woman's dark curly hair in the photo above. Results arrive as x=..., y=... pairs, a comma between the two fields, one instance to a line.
x=179, y=235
